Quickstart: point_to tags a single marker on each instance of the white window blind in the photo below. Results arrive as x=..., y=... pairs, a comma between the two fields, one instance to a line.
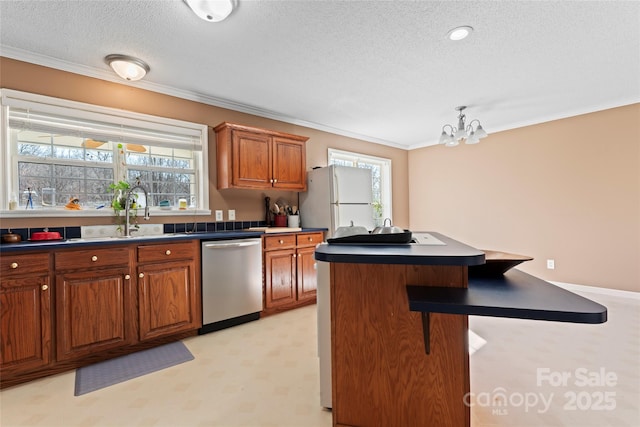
x=35, y=113
x=80, y=148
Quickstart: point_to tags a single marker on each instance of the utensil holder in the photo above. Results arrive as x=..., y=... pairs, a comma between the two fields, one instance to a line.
x=280, y=220
x=293, y=221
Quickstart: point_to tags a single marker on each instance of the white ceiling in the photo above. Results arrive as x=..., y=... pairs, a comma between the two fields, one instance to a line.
x=382, y=71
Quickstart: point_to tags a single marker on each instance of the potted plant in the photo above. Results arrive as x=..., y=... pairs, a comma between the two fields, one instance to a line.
x=119, y=203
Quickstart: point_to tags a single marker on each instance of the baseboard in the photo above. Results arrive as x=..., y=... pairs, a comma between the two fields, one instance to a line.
x=597, y=290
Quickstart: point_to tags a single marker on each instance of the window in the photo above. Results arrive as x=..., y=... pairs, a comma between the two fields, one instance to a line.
x=53, y=150
x=381, y=173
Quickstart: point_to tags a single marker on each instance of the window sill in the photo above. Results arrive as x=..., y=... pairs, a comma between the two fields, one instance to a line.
x=86, y=213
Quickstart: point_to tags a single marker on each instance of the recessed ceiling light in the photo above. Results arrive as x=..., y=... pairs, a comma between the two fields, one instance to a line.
x=459, y=33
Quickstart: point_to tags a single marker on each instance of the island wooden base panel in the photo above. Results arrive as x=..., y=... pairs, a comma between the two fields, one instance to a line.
x=380, y=371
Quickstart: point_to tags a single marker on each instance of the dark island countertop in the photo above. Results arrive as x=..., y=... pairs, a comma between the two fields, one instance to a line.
x=445, y=251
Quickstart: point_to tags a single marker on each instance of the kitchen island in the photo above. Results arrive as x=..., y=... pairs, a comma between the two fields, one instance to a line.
x=392, y=365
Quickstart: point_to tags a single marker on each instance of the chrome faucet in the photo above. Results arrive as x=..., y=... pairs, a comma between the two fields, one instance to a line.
x=127, y=232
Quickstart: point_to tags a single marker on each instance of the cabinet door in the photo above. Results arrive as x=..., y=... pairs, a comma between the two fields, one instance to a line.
x=93, y=312
x=307, y=282
x=25, y=323
x=251, y=164
x=167, y=298
x=280, y=277
x=289, y=164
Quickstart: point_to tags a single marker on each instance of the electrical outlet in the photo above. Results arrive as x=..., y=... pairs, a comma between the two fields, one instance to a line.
x=219, y=215
x=232, y=214
x=551, y=264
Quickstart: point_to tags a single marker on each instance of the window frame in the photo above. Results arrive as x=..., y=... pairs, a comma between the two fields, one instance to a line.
x=197, y=133
x=386, y=194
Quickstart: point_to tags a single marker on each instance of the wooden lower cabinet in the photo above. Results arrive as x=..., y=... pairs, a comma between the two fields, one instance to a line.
x=280, y=277
x=94, y=301
x=307, y=282
x=289, y=270
x=66, y=308
x=167, y=299
x=25, y=308
x=93, y=312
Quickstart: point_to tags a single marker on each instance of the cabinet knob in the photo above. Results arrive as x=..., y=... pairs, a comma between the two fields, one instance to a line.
x=281, y=241
x=94, y=258
x=127, y=277
x=271, y=180
x=168, y=252
x=311, y=239
x=294, y=255
x=44, y=287
x=14, y=265
x=275, y=181
x=141, y=275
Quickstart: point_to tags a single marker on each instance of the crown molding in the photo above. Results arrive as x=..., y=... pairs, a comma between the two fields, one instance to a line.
x=108, y=75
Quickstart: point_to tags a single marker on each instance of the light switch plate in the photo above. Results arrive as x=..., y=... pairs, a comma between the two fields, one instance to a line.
x=232, y=214
x=219, y=215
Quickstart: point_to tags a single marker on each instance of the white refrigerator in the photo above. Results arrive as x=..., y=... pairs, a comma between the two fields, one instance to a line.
x=337, y=196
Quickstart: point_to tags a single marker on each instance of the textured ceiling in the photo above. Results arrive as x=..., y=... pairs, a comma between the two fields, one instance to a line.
x=382, y=71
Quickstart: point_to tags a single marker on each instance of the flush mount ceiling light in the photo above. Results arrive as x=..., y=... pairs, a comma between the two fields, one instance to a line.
x=127, y=67
x=211, y=10
x=460, y=33
x=468, y=133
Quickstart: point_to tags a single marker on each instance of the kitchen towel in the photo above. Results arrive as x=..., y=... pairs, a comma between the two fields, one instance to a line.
x=103, y=374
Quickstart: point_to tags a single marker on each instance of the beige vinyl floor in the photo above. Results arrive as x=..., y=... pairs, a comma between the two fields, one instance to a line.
x=265, y=373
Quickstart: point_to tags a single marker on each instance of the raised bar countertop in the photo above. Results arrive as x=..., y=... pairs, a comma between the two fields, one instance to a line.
x=451, y=252
x=515, y=294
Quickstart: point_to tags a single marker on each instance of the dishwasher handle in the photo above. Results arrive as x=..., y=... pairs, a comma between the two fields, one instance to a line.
x=231, y=244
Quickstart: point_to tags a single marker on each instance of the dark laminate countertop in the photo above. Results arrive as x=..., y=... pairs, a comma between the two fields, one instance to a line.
x=451, y=253
x=515, y=294
x=170, y=237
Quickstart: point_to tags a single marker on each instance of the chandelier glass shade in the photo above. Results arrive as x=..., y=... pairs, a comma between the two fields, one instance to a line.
x=470, y=134
x=211, y=10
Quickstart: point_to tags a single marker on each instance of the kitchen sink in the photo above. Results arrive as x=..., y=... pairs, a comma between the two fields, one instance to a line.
x=125, y=238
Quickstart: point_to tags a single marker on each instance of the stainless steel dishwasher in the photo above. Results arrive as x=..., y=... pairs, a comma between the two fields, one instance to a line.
x=231, y=283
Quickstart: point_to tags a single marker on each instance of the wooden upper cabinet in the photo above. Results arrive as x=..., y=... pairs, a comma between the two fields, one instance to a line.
x=249, y=157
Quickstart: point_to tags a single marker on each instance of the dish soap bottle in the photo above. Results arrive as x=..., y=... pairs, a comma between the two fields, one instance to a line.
x=13, y=203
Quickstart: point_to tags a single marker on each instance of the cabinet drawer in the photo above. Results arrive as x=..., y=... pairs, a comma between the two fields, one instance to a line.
x=310, y=239
x=92, y=258
x=11, y=264
x=166, y=252
x=279, y=242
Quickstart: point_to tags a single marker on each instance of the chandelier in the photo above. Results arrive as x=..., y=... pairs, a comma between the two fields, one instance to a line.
x=468, y=133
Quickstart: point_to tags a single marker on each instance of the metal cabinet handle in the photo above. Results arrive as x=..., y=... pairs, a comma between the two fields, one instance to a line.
x=94, y=258
x=141, y=275
x=44, y=287
x=127, y=277
x=168, y=252
x=14, y=265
